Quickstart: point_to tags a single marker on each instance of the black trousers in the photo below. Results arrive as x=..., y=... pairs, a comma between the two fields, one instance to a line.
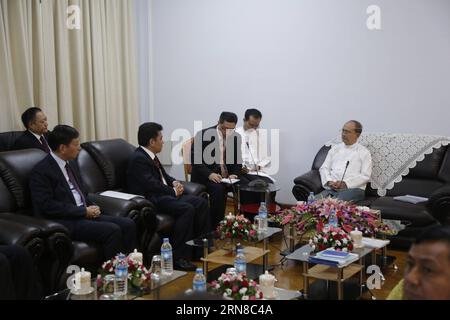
x=17, y=274
x=191, y=214
x=114, y=234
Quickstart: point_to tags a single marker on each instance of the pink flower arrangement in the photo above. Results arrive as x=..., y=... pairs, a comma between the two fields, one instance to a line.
x=308, y=217
x=236, y=227
x=235, y=286
x=315, y=217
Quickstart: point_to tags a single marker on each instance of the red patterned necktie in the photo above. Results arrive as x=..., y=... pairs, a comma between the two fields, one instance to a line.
x=73, y=181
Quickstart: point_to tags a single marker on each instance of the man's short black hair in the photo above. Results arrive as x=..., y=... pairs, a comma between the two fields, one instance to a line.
x=29, y=116
x=61, y=134
x=147, y=131
x=228, y=117
x=252, y=112
x=358, y=126
x=438, y=233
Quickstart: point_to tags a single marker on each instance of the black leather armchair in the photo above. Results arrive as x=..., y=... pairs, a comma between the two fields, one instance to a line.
x=103, y=167
x=109, y=173
x=15, y=206
x=430, y=178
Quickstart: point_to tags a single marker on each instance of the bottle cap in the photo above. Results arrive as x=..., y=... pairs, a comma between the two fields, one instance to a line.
x=166, y=239
x=199, y=270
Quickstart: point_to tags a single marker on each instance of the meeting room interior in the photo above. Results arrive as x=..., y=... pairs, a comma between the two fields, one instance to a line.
x=225, y=150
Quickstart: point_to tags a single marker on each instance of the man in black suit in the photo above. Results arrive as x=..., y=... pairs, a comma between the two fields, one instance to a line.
x=17, y=275
x=215, y=154
x=57, y=194
x=146, y=176
x=35, y=135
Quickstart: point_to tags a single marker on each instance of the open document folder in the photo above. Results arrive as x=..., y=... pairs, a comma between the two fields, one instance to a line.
x=120, y=195
x=411, y=199
x=229, y=181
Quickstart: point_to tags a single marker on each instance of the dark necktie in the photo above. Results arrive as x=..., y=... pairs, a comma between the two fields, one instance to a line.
x=223, y=165
x=158, y=165
x=73, y=181
x=45, y=144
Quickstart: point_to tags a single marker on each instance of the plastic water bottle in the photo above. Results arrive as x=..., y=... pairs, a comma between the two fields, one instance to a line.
x=121, y=277
x=262, y=218
x=240, y=263
x=167, y=258
x=311, y=198
x=199, y=282
x=332, y=219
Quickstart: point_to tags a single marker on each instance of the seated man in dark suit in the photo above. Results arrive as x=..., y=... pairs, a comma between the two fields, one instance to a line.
x=146, y=176
x=215, y=154
x=57, y=194
x=35, y=121
x=17, y=275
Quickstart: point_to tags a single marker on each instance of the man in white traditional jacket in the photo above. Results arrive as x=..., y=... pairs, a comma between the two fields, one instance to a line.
x=254, y=152
x=347, y=167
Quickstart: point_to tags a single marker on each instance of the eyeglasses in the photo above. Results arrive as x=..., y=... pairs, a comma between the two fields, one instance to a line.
x=348, y=131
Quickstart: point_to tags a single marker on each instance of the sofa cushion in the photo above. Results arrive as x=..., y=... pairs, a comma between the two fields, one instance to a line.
x=429, y=167
x=416, y=214
x=93, y=179
x=320, y=157
x=112, y=157
x=415, y=187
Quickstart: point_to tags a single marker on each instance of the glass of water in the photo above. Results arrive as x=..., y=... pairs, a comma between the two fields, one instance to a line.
x=155, y=268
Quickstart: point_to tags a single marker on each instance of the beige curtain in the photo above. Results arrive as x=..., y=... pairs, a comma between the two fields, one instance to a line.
x=86, y=78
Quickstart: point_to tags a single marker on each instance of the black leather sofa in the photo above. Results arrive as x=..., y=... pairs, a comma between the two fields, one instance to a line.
x=60, y=250
x=430, y=178
x=104, y=164
x=15, y=206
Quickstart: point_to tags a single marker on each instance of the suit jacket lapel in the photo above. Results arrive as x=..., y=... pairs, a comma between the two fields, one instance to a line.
x=61, y=177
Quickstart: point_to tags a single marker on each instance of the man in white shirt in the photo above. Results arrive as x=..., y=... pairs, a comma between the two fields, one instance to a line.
x=347, y=167
x=254, y=142
x=254, y=152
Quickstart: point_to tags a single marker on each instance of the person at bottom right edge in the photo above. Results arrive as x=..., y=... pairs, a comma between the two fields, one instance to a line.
x=427, y=271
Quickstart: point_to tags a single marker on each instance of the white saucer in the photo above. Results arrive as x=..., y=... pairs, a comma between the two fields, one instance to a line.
x=82, y=292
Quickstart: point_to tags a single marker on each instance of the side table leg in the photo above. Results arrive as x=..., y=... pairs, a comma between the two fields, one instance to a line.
x=266, y=255
x=305, y=280
x=340, y=284
x=205, y=256
x=292, y=235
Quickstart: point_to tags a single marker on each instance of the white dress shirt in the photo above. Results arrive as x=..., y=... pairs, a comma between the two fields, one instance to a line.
x=62, y=165
x=38, y=137
x=257, y=142
x=152, y=156
x=359, y=169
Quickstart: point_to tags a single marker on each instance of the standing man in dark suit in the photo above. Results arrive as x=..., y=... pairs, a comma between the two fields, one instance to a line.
x=35, y=135
x=57, y=194
x=17, y=275
x=146, y=176
x=215, y=154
